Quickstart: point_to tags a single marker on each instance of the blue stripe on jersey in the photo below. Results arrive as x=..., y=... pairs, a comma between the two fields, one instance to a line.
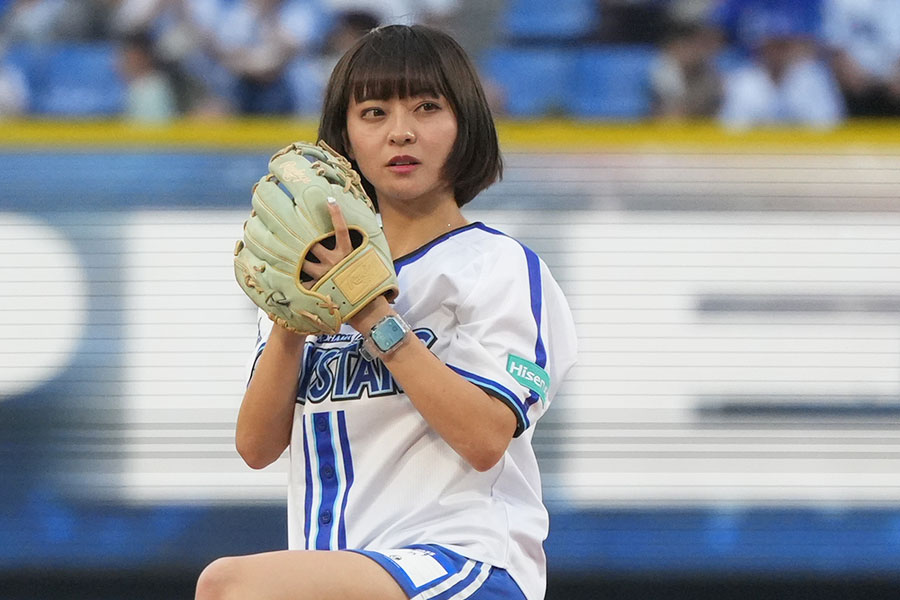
x=307, y=505
x=507, y=395
x=328, y=490
x=329, y=475
x=534, y=281
x=348, y=477
x=332, y=478
x=536, y=299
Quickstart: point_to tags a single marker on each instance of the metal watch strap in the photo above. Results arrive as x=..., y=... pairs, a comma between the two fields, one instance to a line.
x=384, y=337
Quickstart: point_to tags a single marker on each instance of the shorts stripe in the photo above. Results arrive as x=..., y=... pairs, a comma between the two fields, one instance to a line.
x=433, y=572
x=447, y=583
x=482, y=574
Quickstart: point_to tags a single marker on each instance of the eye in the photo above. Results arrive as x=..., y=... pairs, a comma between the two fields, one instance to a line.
x=371, y=112
x=429, y=106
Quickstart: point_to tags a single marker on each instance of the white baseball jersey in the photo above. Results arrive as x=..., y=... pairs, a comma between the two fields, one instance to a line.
x=367, y=471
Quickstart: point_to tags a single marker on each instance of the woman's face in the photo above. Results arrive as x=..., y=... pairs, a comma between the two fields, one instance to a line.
x=401, y=146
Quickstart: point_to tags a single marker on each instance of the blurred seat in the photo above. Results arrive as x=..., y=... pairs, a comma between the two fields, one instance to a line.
x=730, y=59
x=540, y=19
x=72, y=80
x=531, y=80
x=611, y=82
x=26, y=59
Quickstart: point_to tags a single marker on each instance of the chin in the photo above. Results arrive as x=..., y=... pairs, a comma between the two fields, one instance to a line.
x=401, y=195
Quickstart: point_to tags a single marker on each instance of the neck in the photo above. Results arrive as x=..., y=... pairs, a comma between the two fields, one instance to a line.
x=407, y=230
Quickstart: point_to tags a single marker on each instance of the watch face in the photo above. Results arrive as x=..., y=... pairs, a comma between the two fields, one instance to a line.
x=388, y=333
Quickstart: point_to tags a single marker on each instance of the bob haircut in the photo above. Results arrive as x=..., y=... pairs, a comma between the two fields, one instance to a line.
x=404, y=61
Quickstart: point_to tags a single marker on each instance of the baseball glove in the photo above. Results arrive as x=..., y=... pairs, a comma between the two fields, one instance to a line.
x=290, y=215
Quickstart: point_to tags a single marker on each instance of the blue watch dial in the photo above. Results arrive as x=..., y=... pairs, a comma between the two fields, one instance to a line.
x=388, y=333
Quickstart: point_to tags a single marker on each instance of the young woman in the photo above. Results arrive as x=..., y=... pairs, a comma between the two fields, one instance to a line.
x=412, y=473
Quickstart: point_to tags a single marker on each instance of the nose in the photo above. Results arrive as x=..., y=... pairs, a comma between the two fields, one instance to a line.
x=401, y=130
x=402, y=136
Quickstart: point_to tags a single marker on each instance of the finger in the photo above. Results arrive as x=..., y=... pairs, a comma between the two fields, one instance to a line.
x=324, y=253
x=311, y=273
x=341, y=231
x=315, y=270
x=316, y=262
x=316, y=254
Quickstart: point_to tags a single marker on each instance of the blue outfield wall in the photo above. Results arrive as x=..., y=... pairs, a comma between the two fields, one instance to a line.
x=52, y=533
x=42, y=527
x=721, y=542
x=44, y=182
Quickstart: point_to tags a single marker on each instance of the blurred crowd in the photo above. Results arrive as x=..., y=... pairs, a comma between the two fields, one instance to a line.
x=759, y=62
x=744, y=62
x=205, y=57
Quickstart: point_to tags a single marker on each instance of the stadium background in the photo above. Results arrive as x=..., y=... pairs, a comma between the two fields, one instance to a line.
x=730, y=430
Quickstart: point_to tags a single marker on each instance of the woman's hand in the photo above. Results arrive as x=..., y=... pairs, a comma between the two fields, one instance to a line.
x=328, y=257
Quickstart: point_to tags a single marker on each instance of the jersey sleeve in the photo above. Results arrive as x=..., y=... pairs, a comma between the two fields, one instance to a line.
x=515, y=336
x=263, y=329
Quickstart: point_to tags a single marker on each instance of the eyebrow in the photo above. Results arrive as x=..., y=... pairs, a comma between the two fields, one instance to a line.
x=424, y=95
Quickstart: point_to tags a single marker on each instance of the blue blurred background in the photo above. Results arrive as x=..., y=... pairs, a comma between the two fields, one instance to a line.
x=717, y=190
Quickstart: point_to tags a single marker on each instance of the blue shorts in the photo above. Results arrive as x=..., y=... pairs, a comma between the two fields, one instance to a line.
x=431, y=572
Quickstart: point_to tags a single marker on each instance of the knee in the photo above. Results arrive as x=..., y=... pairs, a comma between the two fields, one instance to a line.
x=219, y=580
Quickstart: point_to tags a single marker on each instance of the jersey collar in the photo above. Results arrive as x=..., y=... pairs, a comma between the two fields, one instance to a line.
x=421, y=251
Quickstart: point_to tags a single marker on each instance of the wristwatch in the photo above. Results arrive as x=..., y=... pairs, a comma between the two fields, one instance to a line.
x=384, y=337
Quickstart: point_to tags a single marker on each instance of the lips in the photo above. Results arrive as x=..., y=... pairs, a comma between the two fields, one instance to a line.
x=403, y=161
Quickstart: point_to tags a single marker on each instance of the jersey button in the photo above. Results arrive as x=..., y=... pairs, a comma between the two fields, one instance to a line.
x=328, y=472
x=321, y=422
x=325, y=517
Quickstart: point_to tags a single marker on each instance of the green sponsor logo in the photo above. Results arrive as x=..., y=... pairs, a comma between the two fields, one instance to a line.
x=530, y=375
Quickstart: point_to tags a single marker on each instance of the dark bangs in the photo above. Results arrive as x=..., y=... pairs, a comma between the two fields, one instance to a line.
x=396, y=62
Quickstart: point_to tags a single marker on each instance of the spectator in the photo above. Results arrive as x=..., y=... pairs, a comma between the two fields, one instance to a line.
x=349, y=27
x=257, y=41
x=428, y=12
x=685, y=82
x=308, y=77
x=180, y=32
x=150, y=97
x=172, y=25
x=864, y=39
x=690, y=11
x=631, y=21
x=13, y=89
x=784, y=82
x=46, y=21
x=746, y=23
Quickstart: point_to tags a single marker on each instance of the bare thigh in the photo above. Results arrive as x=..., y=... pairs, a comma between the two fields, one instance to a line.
x=297, y=575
